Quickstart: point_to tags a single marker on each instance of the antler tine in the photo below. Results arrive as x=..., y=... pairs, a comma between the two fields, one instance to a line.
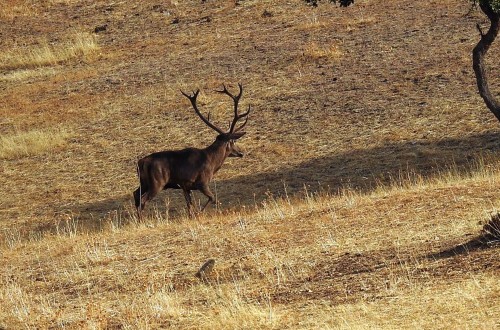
x=226, y=91
x=236, y=99
x=192, y=98
x=246, y=115
x=195, y=94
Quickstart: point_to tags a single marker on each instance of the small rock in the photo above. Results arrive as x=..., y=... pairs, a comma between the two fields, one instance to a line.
x=205, y=270
x=267, y=13
x=101, y=28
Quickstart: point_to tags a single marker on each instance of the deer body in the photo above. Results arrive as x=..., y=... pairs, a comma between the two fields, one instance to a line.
x=188, y=169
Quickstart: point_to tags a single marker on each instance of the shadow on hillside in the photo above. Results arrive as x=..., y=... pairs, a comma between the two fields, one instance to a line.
x=488, y=238
x=350, y=277
x=476, y=244
x=365, y=169
x=362, y=170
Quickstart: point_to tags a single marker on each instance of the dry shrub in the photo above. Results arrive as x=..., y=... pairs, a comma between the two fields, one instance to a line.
x=491, y=230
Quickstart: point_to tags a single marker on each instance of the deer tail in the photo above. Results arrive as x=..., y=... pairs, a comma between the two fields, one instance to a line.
x=138, y=170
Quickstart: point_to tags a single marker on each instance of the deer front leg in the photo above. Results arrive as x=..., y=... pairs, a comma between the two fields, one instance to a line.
x=206, y=191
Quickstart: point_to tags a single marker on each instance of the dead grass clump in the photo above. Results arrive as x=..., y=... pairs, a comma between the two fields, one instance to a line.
x=80, y=46
x=331, y=52
x=34, y=142
x=491, y=230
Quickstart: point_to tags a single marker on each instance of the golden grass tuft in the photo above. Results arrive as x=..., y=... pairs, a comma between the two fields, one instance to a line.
x=33, y=142
x=316, y=51
x=81, y=45
x=311, y=22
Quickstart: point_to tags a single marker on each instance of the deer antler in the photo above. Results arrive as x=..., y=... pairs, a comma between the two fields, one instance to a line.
x=236, y=99
x=192, y=98
x=246, y=115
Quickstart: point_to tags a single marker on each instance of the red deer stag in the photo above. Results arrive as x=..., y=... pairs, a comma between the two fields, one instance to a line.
x=191, y=168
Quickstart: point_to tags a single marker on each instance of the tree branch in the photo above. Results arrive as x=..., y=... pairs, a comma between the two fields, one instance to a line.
x=480, y=30
x=478, y=54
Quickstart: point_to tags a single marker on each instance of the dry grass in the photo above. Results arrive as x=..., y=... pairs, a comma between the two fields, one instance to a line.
x=12, y=9
x=317, y=262
x=24, y=74
x=80, y=46
x=371, y=165
x=15, y=9
x=35, y=142
x=330, y=52
x=360, y=22
x=410, y=309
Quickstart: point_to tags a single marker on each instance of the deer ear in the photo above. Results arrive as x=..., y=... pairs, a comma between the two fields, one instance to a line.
x=235, y=136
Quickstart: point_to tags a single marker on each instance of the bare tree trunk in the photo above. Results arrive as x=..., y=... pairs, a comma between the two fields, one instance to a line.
x=478, y=55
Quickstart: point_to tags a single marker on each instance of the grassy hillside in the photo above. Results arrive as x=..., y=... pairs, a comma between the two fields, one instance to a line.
x=371, y=165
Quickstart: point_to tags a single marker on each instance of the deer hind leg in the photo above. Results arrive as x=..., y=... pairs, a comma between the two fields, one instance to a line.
x=211, y=198
x=189, y=201
x=139, y=205
x=142, y=199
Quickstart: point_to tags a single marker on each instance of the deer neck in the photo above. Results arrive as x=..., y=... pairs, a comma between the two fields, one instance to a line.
x=216, y=152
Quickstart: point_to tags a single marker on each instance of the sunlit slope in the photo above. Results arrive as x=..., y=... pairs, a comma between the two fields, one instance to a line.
x=370, y=166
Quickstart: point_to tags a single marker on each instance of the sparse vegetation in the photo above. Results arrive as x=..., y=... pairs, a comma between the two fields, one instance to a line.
x=361, y=201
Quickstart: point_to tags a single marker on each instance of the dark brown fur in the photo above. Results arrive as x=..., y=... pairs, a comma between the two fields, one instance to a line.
x=188, y=169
